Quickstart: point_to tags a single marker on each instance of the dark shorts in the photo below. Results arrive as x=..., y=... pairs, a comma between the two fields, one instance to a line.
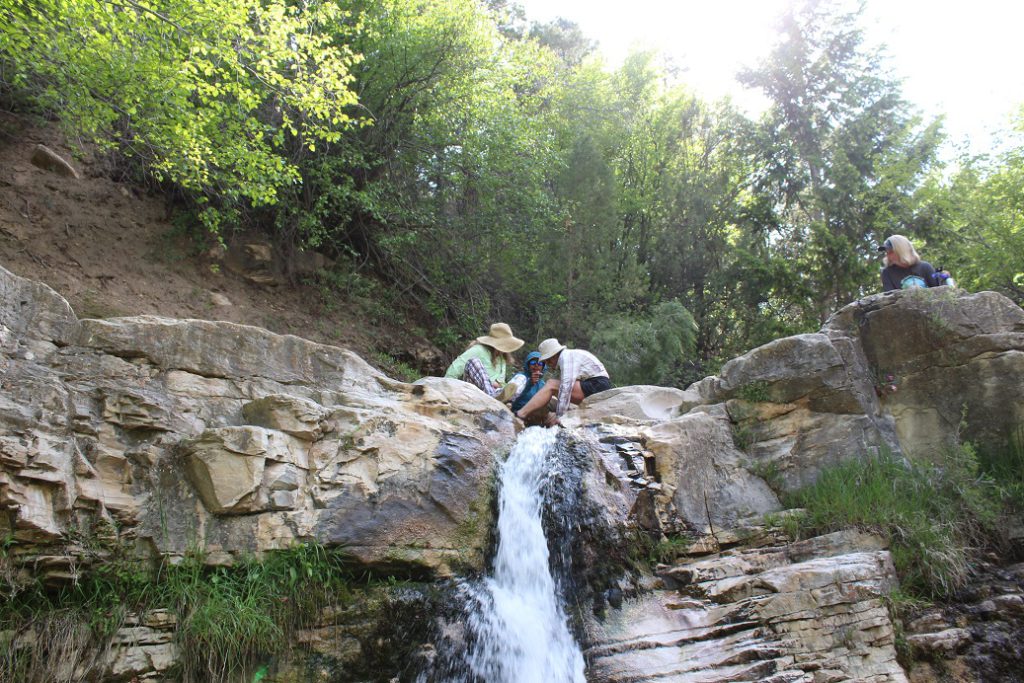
x=595, y=385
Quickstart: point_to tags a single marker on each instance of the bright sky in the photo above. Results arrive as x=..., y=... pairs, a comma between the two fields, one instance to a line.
x=957, y=58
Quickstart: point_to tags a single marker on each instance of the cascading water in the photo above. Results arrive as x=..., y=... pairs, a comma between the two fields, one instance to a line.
x=521, y=631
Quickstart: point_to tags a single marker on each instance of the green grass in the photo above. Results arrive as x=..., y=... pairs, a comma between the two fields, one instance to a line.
x=937, y=518
x=1006, y=465
x=755, y=392
x=395, y=368
x=229, y=618
x=670, y=548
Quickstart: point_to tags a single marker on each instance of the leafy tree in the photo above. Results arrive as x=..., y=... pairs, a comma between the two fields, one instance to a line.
x=208, y=95
x=565, y=39
x=649, y=348
x=974, y=222
x=843, y=154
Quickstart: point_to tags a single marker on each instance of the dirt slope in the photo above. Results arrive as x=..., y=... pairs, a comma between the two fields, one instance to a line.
x=111, y=250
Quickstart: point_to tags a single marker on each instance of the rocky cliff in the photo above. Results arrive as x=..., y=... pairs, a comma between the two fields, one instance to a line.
x=187, y=435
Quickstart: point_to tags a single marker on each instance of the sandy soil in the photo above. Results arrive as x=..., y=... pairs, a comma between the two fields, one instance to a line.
x=110, y=249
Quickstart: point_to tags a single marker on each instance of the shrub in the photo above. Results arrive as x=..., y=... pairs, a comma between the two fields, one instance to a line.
x=647, y=349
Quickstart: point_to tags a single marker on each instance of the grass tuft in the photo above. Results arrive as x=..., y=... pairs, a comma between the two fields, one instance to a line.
x=937, y=518
x=228, y=618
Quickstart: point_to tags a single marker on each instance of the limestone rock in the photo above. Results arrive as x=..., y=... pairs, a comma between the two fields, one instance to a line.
x=296, y=416
x=957, y=358
x=806, y=615
x=637, y=403
x=704, y=475
x=226, y=467
x=231, y=438
x=945, y=641
x=48, y=160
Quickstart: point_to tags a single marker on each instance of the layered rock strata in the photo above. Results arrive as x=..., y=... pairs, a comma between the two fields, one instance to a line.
x=811, y=611
x=169, y=436
x=194, y=435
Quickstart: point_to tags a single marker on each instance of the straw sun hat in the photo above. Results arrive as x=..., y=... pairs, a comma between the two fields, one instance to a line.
x=500, y=337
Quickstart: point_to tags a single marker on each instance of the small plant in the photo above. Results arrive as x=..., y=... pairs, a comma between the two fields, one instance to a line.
x=1006, y=466
x=886, y=383
x=790, y=522
x=769, y=471
x=394, y=367
x=669, y=549
x=754, y=392
x=899, y=605
x=742, y=436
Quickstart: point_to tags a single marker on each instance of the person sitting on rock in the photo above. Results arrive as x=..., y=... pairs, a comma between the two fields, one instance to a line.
x=581, y=374
x=904, y=269
x=525, y=383
x=485, y=362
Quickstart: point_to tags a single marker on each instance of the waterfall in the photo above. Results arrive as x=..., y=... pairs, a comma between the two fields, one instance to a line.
x=522, y=635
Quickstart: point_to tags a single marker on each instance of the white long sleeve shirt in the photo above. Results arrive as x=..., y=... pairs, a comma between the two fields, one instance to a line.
x=575, y=365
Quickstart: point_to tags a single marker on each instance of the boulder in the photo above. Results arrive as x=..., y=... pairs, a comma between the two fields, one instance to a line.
x=233, y=440
x=48, y=160
x=956, y=359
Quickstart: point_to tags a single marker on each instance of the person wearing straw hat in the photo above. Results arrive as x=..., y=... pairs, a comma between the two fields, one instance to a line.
x=581, y=374
x=485, y=362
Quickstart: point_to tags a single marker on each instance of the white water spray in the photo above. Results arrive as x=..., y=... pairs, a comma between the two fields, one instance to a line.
x=522, y=632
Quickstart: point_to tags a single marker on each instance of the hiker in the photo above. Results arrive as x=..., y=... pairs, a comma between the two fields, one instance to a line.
x=485, y=362
x=525, y=383
x=581, y=374
x=904, y=269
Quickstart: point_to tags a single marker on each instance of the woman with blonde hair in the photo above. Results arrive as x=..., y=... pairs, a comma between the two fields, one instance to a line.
x=904, y=268
x=485, y=362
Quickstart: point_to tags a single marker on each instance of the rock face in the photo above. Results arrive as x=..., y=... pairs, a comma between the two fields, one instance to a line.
x=914, y=372
x=957, y=360
x=195, y=435
x=184, y=435
x=809, y=611
x=777, y=415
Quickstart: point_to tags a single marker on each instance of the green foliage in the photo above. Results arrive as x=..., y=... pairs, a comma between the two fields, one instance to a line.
x=935, y=517
x=843, y=155
x=742, y=435
x=231, y=616
x=754, y=392
x=974, y=221
x=668, y=549
x=647, y=349
x=213, y=96
x=396, y=368
x=1006, y=466
x=491, y=168
x=228, y=617
x=769, y=471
